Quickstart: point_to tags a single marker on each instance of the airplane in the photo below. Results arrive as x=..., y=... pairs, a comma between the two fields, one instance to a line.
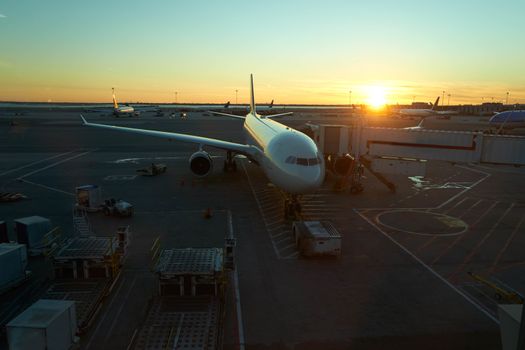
x=123, y=111
x=425, y=112
x=289, y=158
x=508, y=119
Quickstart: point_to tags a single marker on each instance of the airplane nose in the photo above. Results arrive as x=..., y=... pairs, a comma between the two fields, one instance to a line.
x=313, y=180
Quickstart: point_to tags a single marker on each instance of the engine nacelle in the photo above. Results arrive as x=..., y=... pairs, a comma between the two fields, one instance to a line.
x=342, y=165
x=201, y=163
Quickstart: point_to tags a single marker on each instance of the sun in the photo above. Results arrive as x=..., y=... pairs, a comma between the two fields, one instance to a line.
x=376, y=96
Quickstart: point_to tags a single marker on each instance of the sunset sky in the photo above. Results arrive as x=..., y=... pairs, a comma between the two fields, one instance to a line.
x=311, y=52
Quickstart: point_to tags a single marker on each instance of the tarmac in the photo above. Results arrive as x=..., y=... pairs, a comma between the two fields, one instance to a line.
x=401, y=282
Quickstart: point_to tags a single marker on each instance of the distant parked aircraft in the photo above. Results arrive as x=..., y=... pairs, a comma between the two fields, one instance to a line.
x=122, y=111
x=508, y=119
x=425, y=112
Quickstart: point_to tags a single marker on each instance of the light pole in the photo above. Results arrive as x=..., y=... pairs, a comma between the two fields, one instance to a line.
x=176, y=97
x=443, y=98
x=448, y=102
x=350, y=98
x=236, y=92
x=507, y=99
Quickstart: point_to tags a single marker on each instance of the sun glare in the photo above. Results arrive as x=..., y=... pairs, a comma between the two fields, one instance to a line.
x=376, y=96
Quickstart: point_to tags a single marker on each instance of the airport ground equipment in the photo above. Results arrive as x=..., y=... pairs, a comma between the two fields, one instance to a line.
x=81, y=224
x=117, y=207
x=88, y=197
x=316, y=238
x=13, y=264
x=36, y=233
x=153, y=169
x=405, y=151
x=502, y=293
x=47, y=324
x=11, y=196
x=90, y=257
x=190, y=271
x=189, y=311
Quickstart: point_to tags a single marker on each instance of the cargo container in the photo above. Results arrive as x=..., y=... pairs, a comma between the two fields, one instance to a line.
x=31, y=231
x=13, y=262
x=315, y=238
x=47, y=324
x=89, y=197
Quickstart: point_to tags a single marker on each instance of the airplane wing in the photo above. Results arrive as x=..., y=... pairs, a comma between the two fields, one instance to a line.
x=278, y=115
x=247, y=150
x=228, y=115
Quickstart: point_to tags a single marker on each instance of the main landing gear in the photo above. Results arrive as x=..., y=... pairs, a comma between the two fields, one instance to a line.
x=229, y=164
x=292, y=207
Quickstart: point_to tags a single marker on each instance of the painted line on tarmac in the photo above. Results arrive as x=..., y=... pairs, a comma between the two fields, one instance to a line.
x=113, y=324
x=480, y=243
x=240, y=326
x=35, y=163
x=261, y=211
x=108, y=307
x=47, y=187
x=507, y=243
x=55, y=164
x=460, y=238
x=431, y=270
x=487, y=175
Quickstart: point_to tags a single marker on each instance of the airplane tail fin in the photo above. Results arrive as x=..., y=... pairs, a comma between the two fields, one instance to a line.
x=115, y=104
x=434, y=106
x=252, y=97
x=271, y=104
x=227, y=104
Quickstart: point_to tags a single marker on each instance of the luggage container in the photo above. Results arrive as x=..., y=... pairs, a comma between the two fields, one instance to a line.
x=31, y=231
x=13, y=263
x=88, y=197
x=47, y=324
x=316, y=238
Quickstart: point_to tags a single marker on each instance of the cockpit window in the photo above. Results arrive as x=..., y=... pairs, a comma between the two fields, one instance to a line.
x=290, y=160
x=313, y=161
x=303, y=161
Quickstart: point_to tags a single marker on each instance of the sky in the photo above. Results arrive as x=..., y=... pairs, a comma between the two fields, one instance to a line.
x=300, y=52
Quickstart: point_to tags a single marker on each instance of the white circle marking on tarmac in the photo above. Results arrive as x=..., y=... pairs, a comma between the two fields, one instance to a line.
x=448, y=217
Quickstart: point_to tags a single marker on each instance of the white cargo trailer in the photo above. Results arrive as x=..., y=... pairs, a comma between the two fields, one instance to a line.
x=13, y=262
x=31, y=231
x=314, y=238
x=47, y=324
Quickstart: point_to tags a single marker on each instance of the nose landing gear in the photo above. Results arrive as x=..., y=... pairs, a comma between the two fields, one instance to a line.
x=229, y=164
x=292, y=207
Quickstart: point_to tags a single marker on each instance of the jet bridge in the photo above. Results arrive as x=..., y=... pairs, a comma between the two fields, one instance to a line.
x=406, y=151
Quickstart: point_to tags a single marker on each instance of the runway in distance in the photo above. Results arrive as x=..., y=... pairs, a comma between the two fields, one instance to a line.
x=289, y=158
x=123, y=111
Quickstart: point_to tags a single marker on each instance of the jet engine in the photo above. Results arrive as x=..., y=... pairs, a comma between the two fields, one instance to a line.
x=201, y=163
x=342, y=165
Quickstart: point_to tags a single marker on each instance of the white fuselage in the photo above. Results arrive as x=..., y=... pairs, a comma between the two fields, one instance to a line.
x=424, y=112
x=289, y=158
x=123, y=111
x=417, y=112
